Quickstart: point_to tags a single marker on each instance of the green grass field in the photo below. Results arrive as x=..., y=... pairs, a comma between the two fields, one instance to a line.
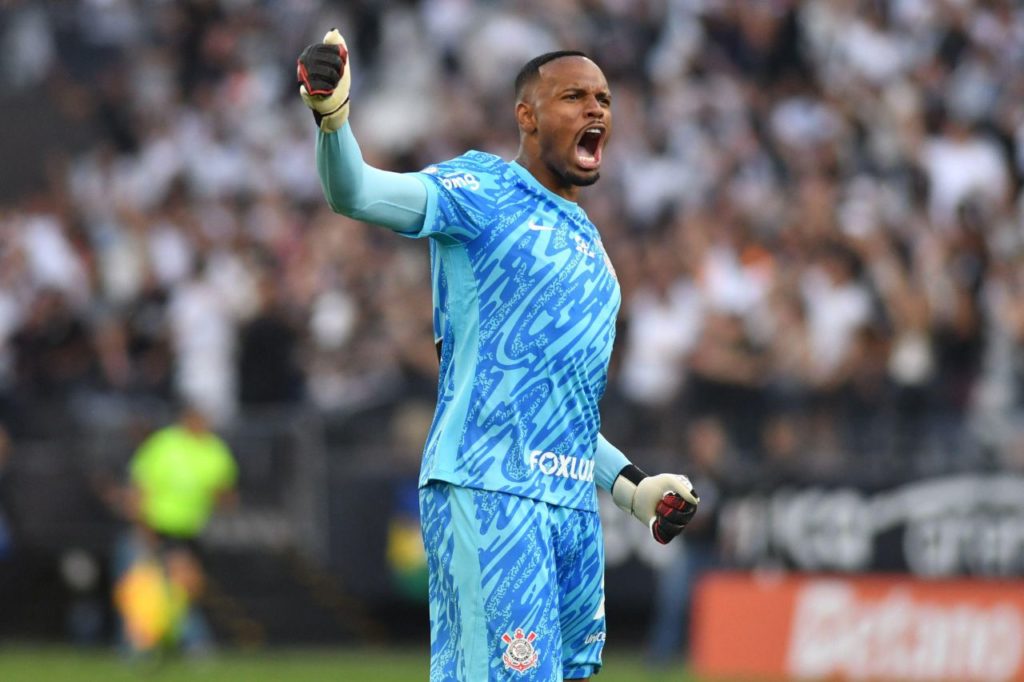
x=57, y=664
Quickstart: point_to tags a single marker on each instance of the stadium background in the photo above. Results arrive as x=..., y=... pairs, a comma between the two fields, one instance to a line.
x=814, y=209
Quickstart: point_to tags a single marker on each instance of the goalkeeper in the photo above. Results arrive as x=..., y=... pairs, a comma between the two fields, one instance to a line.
x=525, y=300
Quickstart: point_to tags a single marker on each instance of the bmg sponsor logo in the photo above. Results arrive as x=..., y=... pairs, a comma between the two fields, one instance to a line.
x=564, y=466
x=461, y=181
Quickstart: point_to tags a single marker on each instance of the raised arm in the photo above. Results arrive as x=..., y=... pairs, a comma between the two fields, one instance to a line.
x=351, y=186
x=354, y=188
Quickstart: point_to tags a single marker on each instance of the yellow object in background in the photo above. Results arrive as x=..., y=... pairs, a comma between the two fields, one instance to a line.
x=151, y=607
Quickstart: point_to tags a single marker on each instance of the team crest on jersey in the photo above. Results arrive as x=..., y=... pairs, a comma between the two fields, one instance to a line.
x=519, y=654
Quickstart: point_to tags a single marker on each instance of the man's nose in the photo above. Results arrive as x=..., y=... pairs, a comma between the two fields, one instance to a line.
x=593, y=108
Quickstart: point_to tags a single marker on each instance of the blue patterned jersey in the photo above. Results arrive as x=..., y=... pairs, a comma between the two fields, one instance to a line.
x=525, y=301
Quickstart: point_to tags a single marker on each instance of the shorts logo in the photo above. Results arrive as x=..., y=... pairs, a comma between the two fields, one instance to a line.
x=520, y=654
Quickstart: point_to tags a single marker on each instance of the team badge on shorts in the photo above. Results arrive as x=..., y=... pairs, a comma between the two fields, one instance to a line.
x=520, y=654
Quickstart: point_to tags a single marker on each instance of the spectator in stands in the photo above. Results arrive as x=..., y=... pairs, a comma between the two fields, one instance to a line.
x=665, y=318
x=268, y=363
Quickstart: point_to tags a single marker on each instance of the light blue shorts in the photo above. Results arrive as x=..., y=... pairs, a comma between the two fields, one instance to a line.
x=516, y=587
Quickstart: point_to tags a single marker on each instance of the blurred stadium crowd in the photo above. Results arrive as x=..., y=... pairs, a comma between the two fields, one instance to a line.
x=814, y=209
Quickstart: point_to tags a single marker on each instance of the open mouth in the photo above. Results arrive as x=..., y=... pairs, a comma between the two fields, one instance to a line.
x=588, y=148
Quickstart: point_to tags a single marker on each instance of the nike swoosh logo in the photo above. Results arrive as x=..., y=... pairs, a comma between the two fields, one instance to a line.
x=541, y=228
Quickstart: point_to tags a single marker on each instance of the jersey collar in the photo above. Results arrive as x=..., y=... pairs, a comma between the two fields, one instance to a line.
x=527, y=176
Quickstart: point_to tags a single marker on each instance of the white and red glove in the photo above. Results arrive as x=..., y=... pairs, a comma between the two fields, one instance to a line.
x=665, y=503
x=325, y=80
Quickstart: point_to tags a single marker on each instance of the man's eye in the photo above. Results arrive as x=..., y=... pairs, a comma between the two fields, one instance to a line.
x=572, y=95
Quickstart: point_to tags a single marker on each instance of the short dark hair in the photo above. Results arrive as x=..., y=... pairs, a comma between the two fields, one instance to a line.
x=531, y=69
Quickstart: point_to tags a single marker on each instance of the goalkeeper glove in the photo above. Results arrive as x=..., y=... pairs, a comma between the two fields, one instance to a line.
x=324, y=81
x=665, y=502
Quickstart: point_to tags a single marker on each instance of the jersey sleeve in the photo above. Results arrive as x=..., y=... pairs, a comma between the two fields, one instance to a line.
x=356, y=189
x=462, y=195
x=608, y=462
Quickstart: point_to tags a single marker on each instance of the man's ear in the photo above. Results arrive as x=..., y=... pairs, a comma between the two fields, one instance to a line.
x=526, y=118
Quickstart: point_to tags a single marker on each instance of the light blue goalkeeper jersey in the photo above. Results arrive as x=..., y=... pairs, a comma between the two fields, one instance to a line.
x=525, y=301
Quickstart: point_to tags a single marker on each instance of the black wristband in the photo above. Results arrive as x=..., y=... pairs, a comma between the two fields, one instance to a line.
x=632, y=473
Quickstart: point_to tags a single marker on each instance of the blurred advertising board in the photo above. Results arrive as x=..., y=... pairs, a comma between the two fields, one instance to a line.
x=944, y=526
x=878, y=627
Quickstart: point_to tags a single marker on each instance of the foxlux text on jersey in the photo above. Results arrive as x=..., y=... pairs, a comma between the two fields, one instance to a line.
x=566, y=466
